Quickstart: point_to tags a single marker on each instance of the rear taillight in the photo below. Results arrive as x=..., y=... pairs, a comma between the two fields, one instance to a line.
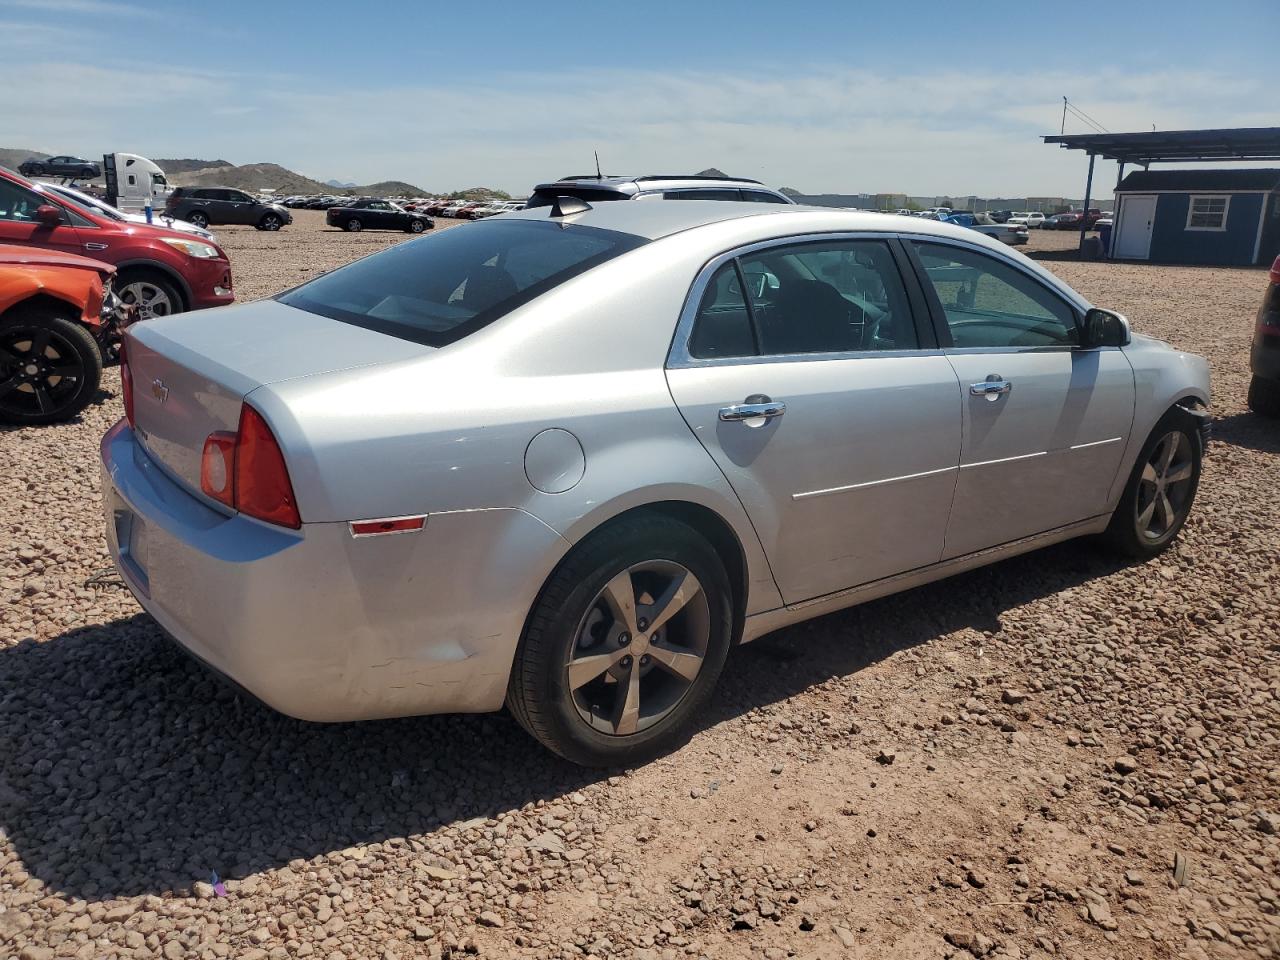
x=246, y=471
x=1274, y=275
x=218, y=467
x=126, y=383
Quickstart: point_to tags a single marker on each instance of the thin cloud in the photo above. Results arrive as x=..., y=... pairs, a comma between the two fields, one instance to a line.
x=87, y=7
x=824, y=129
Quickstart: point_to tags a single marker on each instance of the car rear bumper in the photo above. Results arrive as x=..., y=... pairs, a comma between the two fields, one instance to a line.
x=315, y=623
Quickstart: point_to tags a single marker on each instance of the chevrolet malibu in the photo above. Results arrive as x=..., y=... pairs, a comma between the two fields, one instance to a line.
x=565, y=458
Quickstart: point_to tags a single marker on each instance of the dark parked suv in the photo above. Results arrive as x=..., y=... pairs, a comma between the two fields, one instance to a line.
x=1264, y=357
x=76, y=167
x=205, y=205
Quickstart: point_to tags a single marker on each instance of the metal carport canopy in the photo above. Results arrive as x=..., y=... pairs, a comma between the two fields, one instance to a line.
x=1169, y=146
x=1177, y=146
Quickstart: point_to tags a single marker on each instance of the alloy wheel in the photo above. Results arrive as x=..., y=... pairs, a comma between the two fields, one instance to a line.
x=639, y=648
x=40, y=370
x=1165, y=486
x=150, y=299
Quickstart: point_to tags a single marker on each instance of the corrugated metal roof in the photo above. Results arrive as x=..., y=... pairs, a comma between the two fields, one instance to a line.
x=1166, y=146
x=1197, y=180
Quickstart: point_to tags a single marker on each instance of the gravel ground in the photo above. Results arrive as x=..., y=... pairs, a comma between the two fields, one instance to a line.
x=1057, y=756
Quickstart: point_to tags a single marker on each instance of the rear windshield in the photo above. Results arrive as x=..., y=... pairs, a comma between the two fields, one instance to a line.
x=438, y=289
x=545, y=197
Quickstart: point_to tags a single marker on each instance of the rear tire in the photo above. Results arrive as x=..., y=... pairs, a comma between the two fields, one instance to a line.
x=56, y=367
x=1161, y=489
x=353, y=226
x=1264, y=397
x=198, y=219
x=596, y=715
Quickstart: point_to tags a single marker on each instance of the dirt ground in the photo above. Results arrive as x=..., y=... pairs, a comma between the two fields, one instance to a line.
x=1059, y=756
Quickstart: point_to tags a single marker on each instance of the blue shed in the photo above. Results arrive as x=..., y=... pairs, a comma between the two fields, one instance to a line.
x=1215, y=217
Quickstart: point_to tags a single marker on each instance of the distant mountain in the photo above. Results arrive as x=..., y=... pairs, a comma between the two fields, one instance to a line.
x=174, y=167
x=285, y=182
x=712, y=172
x=11, y=157
x=338, y=183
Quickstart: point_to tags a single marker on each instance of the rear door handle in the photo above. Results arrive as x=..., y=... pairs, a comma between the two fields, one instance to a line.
x=754, y=407
x=993, y=388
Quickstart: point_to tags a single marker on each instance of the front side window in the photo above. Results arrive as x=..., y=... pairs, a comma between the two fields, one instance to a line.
x=17, y=203
x=1208, y=213
x=835, y=296
x=988, y=303
x=441, y=288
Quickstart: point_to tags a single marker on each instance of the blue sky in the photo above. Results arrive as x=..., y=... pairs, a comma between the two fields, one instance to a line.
x=918, y=97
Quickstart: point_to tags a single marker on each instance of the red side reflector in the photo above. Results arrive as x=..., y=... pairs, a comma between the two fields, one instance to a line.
x=374, y=528
x=1274, y=276
x=218, y=467
x=262, y=487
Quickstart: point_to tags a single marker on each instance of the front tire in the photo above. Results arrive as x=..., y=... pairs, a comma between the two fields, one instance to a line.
x=624, y=645
x=1264, y=397
x=353, y=226
x=88, y=173
x=50, y=367
x=416, y=226
x=270, y=222
x=153, y=294
x=1161, y=489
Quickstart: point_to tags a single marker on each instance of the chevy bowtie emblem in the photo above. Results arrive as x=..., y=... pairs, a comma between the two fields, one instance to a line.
x=159, y=390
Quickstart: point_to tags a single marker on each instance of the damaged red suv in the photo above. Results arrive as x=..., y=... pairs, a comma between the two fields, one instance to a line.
x=159, y=271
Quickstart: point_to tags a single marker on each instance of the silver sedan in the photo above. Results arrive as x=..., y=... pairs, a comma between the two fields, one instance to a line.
x=564, y=459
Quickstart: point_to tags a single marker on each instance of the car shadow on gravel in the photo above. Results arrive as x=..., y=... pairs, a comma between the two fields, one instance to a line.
x=1247, y=430
x=126, y=769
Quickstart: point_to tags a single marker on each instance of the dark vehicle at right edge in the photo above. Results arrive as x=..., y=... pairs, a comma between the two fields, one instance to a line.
x=1264, y=355
x=373, y=213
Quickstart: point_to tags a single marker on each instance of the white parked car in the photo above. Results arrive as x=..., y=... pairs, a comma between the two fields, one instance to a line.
x=101, y=207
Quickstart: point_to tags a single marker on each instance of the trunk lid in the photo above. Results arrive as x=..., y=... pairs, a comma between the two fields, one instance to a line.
x=192, y=371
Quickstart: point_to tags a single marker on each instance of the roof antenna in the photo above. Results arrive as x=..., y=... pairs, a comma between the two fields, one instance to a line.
x=599, y=175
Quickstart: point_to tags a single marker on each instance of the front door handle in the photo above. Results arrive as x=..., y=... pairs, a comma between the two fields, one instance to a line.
x=993, y=388
x=755, y=407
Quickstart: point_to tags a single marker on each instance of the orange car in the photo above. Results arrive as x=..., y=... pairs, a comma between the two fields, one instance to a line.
x=58, y=318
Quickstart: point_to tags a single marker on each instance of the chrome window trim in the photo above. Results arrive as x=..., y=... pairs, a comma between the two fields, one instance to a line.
x=678, y=355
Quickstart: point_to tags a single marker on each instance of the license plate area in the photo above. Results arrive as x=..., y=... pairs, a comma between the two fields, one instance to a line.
x=132, y=541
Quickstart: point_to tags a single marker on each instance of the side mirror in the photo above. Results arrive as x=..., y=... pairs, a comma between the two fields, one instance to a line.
x=48, y=214
x=1104, y=328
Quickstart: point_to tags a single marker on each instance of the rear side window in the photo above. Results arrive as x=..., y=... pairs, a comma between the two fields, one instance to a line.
x=825, y=297
x=441, y=288
x=759, y=196
x=545, y=198
x=722, y=327
x=701, y=195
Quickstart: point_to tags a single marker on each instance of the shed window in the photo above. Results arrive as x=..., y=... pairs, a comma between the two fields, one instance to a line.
x=1208, y=213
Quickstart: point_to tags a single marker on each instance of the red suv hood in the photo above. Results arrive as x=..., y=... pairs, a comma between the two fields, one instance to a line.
x=13, y=254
